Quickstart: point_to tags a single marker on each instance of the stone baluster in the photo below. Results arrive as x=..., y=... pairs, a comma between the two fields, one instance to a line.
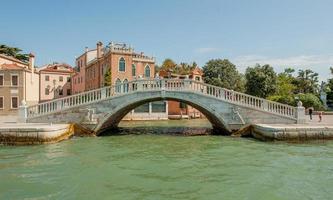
x=23, y=112
x=300, y=113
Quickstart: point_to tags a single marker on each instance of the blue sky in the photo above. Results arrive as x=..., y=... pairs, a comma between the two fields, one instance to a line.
x=283, y=33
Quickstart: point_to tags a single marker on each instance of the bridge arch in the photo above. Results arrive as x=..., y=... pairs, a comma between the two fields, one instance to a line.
x=226, y=109
x=112, y=119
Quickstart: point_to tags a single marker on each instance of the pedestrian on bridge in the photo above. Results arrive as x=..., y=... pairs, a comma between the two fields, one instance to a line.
x=310, y=112
x=320, y=114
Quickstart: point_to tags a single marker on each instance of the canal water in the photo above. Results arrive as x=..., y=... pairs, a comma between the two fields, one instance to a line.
x=152, y=163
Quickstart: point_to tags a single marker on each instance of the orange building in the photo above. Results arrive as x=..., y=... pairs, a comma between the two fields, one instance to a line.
x=123, y=63
x=119, y=60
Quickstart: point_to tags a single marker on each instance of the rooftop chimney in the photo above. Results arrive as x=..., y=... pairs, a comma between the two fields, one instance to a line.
x=32, y=66
x=86, y=49
x=99, y=49
x=31, y=62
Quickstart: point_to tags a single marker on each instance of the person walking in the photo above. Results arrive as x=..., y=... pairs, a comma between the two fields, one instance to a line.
x=310, y=112
x=320, y=114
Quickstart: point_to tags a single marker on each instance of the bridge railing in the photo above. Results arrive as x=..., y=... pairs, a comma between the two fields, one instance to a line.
x=160, y=84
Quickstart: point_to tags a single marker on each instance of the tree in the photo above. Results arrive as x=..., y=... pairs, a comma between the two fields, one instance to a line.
x=308, y=100
x=168, y=64
x=307, y=82
x=330, y=90
x=261, y=81
x=107, y=78
x=223, y=73
x=285, y=80
x=14, y=52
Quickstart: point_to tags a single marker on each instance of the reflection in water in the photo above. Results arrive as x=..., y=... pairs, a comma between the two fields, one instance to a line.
x=162, y=166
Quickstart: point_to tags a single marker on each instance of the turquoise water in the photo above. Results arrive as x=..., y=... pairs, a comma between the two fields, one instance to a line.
x=163, y=166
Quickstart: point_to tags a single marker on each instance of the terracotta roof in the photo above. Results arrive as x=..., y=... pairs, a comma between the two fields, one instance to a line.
x=57, y=68
x=11, y=66
x=12, y=59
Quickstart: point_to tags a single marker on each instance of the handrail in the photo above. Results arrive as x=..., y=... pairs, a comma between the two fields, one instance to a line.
x=104, y=93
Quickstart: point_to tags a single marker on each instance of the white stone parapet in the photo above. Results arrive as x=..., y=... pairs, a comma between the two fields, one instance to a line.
x=185, y=85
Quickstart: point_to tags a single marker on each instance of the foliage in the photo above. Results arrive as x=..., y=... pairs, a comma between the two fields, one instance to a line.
x=308, y=100
x=168, y=64
x=285, y=84
x=307, y=82
x=261, y=81
x=223, y=73
x=107, y=78
x=14, y=52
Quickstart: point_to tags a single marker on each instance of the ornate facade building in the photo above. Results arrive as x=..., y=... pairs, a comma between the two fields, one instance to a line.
x=113, y=64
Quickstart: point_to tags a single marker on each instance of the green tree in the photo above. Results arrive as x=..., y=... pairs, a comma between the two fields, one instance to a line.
x=330, y=90
x=223, y=73
x=261, y=81
x=107, y=78
x=285, y=83
x=308, y=100
x=14, y=52
x=307, y=82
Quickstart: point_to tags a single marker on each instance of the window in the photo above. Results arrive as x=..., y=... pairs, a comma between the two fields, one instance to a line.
x=197, y=78
x=14, y=102
x=68, y=92
x=61, y=79
x=133, y=70
x=147, y=71
x=47, y=91
x=121, y=64
x=142, y=109
x=1, y=80
x=47, y=78
x=125, y=85
x=68, y=79
x=182, y=105
x=158, y=107
x=14, y=80
x=118, y=85
x=1, y=103
x=61, y=92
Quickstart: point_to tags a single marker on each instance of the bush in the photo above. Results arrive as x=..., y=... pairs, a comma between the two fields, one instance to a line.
x=308, y=100
x=290, y=99
x=311, y=100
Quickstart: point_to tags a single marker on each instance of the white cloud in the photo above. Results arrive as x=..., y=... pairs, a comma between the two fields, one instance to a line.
x=318, y=63
x=206, y=50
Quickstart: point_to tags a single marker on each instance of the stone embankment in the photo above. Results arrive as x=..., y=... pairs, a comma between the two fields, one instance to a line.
x=292, y=132
x=28, y=134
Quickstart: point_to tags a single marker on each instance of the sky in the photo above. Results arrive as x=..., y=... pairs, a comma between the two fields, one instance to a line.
x=282, y=33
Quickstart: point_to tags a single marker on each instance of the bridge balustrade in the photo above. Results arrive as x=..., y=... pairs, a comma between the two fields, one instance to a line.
x=157, y=85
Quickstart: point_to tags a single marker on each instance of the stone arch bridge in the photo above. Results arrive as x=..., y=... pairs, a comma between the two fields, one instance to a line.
x=103, y=108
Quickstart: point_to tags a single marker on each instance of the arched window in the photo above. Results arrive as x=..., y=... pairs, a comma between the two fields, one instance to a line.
x=147, y=71
x=122, y=64
x=125, y=86
x=118, y=85
x=133, y=70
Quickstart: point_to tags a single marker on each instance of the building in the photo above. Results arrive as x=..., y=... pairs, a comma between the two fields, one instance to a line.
x=120, y=62
x=179, y=110
x=55, y=81
x=79, y=77
x=19, y=81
